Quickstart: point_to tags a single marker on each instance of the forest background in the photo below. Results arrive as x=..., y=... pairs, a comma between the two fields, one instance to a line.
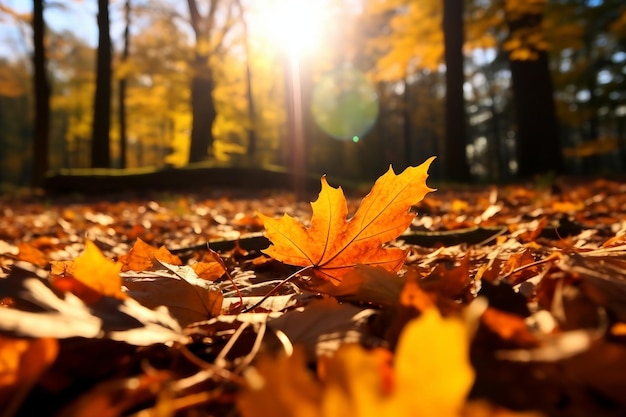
x=498, y=89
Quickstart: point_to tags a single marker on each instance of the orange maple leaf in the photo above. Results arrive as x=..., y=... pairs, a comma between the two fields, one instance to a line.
x=333, y=244
x=142, y=255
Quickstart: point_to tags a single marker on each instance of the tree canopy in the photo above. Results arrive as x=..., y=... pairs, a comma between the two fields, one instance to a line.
x=206, y=83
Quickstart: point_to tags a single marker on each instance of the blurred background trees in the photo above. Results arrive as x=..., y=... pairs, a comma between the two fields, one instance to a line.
x=499, y=89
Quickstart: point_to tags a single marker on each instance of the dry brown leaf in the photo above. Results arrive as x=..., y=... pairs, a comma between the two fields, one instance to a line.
x=333, y=245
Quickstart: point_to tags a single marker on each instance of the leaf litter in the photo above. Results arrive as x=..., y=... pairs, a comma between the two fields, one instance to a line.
x=507, y=301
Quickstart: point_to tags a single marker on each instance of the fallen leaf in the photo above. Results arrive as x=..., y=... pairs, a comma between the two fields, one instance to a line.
x=142, y=255
x=93, y=270
x=208, y=270
x=448, y=278
x=431, y=377
x=29, y=253
x=324, y=325
x=364, y=283
x=188, y=297
x=23, y=361
x=333, y=245
x=510, y=329
x=520, y=267
x=62, y=316
x=280, y=387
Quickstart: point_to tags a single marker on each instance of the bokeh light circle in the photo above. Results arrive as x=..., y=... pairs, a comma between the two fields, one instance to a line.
x=345, y=104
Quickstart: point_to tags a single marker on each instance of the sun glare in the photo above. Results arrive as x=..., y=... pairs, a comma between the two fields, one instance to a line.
x=296, y=26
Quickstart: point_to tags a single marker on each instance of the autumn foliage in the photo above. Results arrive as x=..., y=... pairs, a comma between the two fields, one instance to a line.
x=486, y=300
x=334, y=244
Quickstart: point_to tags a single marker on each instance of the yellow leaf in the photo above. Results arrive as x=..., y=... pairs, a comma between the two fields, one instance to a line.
x=334, y=245
x=433, y=374
x=97, y=272
x=281, y=387
x=431, y=377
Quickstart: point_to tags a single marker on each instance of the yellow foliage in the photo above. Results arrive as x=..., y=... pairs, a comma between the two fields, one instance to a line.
x=414, y=42
x=517, y=8
x=592, y=147
x=10, y=86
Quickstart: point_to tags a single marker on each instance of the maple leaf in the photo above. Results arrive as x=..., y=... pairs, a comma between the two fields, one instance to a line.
x=142, y=255
x=333, y=244
x=90, y=272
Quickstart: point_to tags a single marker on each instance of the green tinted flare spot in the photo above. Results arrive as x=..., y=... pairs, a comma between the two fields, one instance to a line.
x=345, y=104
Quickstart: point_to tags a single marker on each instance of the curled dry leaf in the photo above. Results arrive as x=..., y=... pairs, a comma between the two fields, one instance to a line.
x=333, y=244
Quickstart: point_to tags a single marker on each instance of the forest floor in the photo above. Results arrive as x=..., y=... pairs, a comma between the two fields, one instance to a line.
x=550, y=262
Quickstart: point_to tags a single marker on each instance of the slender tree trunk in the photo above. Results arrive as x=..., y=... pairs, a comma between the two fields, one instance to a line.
x=42, y=97
x=100, y=145
x=122, y=90
x=406, y=124
x=455, y=161
x=539, y=149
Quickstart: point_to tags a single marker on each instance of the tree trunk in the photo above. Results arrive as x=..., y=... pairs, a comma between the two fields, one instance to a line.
x=122, y=90
x=202, y=111
x=539, y=149
x=42, y=98
x=100, y=145
x=407, y=122
x=456, y=167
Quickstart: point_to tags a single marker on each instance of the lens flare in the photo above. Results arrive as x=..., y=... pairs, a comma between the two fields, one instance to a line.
x=345, y=104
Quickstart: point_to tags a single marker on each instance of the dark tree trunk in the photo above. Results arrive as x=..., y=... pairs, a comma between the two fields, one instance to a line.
x=539, y=149
x=100, y=146
x=202, y=111
x=42, y=97
x=122, y=90
x=456, y=167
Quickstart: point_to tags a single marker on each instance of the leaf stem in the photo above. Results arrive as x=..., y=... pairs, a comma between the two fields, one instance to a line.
x=276, y=288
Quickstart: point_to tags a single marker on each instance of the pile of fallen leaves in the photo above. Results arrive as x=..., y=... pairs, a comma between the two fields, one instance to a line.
x=476, y=302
